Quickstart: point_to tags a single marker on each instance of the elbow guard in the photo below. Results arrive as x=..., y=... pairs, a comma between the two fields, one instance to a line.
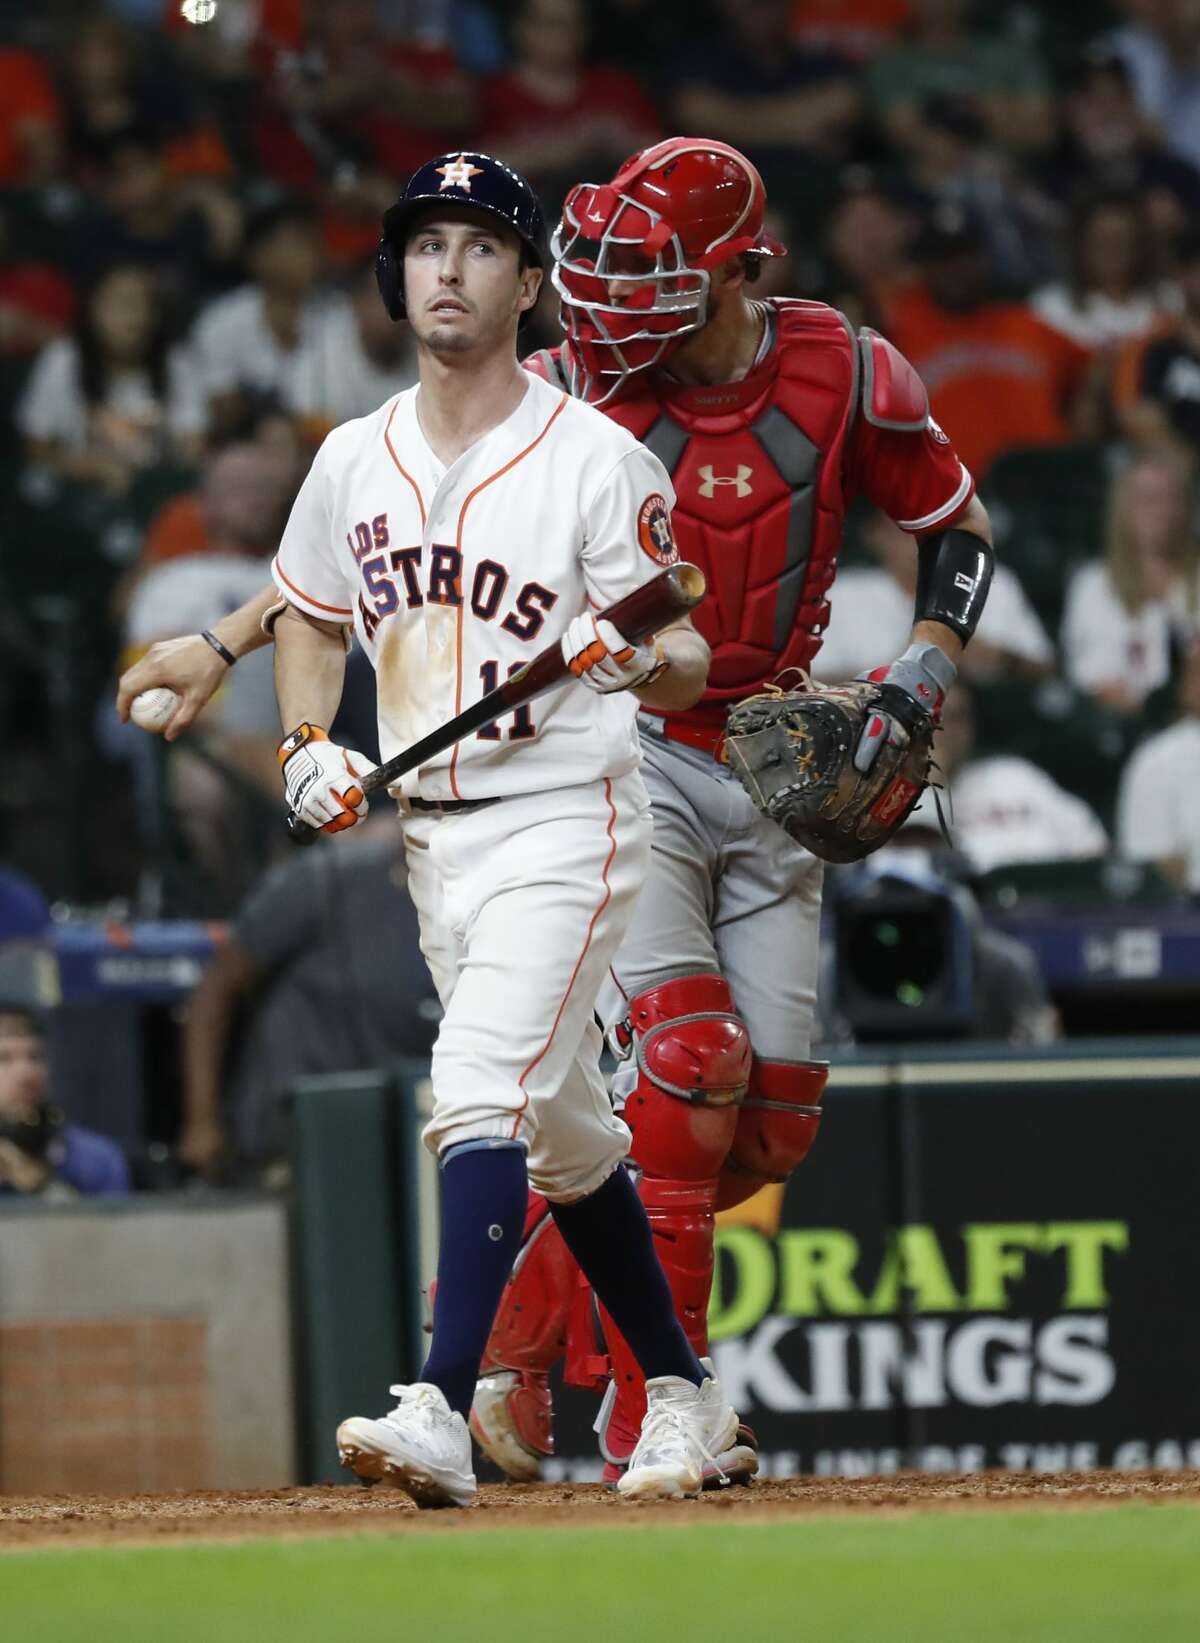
x=954, y=572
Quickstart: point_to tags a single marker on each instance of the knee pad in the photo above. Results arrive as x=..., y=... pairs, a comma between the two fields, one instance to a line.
x=531, y=1322
x=693, y=1060
x=777, y=1124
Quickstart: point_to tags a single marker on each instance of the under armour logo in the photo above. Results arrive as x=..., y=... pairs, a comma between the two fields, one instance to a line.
x=741, y=479
x=457, y=174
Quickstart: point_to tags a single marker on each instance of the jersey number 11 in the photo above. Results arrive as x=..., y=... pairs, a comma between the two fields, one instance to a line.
x=522, y=727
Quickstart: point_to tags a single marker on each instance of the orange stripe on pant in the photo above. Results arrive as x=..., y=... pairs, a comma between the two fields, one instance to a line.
x=605, y=898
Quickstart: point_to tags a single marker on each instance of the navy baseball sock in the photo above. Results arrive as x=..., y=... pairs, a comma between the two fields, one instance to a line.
x=610, y=1237
x=484, y=1193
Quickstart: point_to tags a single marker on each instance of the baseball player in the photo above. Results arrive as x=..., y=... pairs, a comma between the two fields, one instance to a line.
x=458, y=529
x=771, y=417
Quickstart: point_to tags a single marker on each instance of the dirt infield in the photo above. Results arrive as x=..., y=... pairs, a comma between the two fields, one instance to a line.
x=59, y=1520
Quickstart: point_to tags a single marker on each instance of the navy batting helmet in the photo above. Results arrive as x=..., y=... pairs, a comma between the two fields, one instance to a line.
x=463, y=179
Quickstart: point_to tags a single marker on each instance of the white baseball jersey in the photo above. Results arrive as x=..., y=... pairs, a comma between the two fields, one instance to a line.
x=453, y=577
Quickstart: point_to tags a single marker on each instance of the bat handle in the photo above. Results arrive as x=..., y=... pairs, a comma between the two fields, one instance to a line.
x=301, y=832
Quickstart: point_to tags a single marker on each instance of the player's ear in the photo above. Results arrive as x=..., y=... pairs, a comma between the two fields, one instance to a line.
x=531, y=284
x=729, y=275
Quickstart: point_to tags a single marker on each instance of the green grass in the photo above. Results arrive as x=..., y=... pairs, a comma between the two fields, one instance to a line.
x=1120, y=1575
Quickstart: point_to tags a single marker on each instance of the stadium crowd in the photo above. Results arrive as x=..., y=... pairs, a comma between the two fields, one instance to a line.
x=188, y=218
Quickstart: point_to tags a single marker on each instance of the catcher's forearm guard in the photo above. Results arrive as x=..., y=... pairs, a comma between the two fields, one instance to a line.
x=793, y=752
x=954, y=573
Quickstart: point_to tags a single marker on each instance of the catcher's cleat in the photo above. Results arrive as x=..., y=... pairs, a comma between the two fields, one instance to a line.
x=511, y=1421
x=686, y=1430
x=422, y=1447
x=738, y=1464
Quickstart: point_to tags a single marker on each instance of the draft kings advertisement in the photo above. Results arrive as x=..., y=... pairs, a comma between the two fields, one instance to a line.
x=998, y=1271
x=974, y=1275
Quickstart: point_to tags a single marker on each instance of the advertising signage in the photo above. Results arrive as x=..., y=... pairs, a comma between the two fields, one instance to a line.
x=989, y=1265
x=981, y=1264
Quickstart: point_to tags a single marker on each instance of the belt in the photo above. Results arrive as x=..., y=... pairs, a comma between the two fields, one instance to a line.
x=452, y=807
x=708, y=738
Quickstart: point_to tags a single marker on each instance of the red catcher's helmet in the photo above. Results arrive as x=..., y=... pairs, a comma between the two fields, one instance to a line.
x=686, y=206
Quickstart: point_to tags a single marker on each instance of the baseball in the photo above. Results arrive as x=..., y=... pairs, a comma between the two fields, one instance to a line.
x=152, y=709
x=198, y=12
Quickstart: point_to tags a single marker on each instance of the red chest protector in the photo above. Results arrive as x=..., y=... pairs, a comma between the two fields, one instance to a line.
x=757, y=470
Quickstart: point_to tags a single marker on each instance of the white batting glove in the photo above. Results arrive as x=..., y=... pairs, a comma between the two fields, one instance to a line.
x=605, y=662
x=322, y=779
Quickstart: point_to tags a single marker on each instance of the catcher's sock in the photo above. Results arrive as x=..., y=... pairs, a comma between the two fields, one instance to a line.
x=610, y=1237
x=484, y=1193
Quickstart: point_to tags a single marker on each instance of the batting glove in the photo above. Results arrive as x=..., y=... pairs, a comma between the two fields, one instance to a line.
x=605, y=662
x=926, y=674
x=322, y=780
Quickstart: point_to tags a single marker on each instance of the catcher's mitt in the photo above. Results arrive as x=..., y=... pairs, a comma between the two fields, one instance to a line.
x=793, y=752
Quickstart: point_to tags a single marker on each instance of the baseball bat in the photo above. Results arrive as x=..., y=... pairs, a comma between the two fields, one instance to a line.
x=645, y=611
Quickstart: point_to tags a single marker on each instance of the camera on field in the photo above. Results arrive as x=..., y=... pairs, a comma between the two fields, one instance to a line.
x=904, y=951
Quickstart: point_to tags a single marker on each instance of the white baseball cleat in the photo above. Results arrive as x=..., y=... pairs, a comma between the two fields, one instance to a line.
x=422, y=1447
x=736, y=1465
x=685, y=1429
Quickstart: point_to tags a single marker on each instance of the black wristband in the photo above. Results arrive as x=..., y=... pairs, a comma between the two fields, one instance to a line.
x=954, y=572
x=223, y=651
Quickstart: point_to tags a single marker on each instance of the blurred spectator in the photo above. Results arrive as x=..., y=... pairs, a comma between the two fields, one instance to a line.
x=187, y=231
x=241, y=503
x=237, y=37
x=997, y=375
x=353, y=97
x=873, y=615
x=247, y=491
x=40, y=1153
x=28, y=963
x=37, y=302
x=750, y=84
x=855, y=29
x=358, y=358
x=24, y=914
x=250, y=339
x=643, y=37
x=1105, y=144
x=1111, y=293
x=1156, y=381
x=115, y=397
x=1124, y=613
x=867, y=245
x=1158, y=807
x=108, y=87
x=1002, y=809
x=954, y=161
x=244, y=499
x=1161, y=48
x=296, y=992
x=555, y=115
x=30, y=121
x=943, y=55
x=180, y=527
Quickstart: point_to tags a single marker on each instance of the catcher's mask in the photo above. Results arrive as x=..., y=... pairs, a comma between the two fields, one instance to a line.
x=633, y=257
